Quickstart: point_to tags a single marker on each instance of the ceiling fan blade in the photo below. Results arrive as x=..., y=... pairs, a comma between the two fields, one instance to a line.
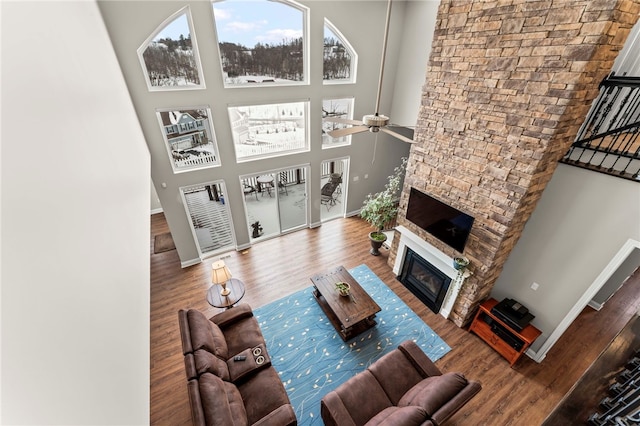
x=397, y=135
x=347, y=131
x=342, y=120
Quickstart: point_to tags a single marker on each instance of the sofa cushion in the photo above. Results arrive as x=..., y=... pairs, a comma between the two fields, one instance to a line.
x=433, y=392
x=394, y=416
x=262, y=393
x=221, y=402
x=242, y=334
x=206, y=362
x=363, y=396
x=396, y=374
x=206, y=335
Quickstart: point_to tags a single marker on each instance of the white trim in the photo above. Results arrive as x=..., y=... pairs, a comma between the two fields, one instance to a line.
x=595, y=305
x=434, y=256
x=315, y=225
x=606, y=273
x=156, y=211
x=190, y=262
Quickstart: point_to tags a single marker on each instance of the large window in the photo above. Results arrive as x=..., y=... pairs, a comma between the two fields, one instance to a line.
x=261, y=42
x=336, y=108
x=169, y=57
x=189, y=136
x=261, y=131
x=339, y=60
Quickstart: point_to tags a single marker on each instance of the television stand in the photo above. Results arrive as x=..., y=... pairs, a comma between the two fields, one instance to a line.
x=505, y=340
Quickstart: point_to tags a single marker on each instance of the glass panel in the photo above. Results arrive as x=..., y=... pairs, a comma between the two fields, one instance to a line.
x=261, y=42
x=261, y=131
x=292, y=198
x=339, y=57
x=337, y=108
x=210, y=217
x=261, y=206
x=190, y=139
x=170, y=56
x=333, y=182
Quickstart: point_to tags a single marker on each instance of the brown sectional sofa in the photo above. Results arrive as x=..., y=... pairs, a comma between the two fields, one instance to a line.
x=223, y=391
x=402, y=388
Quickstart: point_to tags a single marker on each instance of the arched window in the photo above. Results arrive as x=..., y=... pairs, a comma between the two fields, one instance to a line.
x=262, y=42
x=169, y=57
x=339, y=61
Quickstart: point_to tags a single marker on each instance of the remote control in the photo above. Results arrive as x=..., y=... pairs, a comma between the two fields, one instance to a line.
x=239, y=358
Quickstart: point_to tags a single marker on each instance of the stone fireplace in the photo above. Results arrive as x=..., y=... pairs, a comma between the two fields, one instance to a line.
x=427, y=272
x=507, y=87
x=424, y=280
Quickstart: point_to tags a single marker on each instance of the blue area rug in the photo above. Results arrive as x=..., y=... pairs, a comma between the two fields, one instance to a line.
x=312, y=359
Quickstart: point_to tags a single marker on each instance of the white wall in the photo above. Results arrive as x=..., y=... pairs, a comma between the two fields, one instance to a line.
x=75, y=224
x=417, y=26
x=580, y=223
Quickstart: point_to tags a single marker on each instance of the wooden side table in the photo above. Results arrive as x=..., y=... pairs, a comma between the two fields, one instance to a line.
x=236, y=293
x=505, y=340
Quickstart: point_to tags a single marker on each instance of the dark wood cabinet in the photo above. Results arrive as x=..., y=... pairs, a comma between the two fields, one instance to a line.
x=508, y=342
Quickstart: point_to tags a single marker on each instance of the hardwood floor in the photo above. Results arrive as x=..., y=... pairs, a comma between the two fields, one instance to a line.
x=522, y=395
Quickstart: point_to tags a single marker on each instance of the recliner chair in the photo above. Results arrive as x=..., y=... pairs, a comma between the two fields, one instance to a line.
x=403, y=387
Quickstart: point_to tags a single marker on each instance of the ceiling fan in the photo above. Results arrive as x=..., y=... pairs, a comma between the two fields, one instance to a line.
x=371, y=122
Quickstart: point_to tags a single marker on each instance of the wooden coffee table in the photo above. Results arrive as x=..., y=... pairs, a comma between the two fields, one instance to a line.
x=350, y=315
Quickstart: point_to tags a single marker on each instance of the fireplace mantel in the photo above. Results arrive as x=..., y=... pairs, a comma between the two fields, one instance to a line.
x=431, y=254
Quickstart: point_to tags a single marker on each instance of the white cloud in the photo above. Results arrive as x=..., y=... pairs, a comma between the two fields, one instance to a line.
x=238, y=26
x=277, y=35
x=221, y=14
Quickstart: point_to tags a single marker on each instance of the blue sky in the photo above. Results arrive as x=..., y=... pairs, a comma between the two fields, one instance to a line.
x=247, y=22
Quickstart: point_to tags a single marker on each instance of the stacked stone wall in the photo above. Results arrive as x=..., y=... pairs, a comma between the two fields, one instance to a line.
x=507, y=87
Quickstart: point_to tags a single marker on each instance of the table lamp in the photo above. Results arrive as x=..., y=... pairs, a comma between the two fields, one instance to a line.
x=220, y=274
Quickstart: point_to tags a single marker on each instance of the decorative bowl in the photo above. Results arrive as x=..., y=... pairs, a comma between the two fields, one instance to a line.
x=460, y=262
x=343, y=288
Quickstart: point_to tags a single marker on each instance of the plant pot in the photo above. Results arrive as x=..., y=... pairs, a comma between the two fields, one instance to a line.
x=460, y=263
x=343, y=288
x=376, y=243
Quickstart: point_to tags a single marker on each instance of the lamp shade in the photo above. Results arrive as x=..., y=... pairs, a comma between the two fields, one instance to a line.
x=220, y=274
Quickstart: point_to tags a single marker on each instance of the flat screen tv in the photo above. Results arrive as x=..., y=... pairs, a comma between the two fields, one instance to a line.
x=449, y=225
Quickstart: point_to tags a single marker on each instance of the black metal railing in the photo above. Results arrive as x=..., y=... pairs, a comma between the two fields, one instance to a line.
x=609, y=139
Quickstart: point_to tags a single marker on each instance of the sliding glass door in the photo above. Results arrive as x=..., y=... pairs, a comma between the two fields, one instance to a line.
x=334, y=178
x=275, y=202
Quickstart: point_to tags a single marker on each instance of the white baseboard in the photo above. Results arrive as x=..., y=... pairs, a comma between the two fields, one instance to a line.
x=594, y=305
x=315, y=225
x=190, y=262
x=156, y=211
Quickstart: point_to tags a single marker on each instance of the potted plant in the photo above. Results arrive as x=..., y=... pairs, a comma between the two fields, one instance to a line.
x=460, y=263
x=381, y=208
x=343, y=288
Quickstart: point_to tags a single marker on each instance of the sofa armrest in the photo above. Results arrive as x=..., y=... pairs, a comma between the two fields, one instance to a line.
x=230, y=316
x=281, y=416
x=333, y=411
x=197, y=414
x=419, y=359
x=185, y=332
x=190, y=366
x=456, y=403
